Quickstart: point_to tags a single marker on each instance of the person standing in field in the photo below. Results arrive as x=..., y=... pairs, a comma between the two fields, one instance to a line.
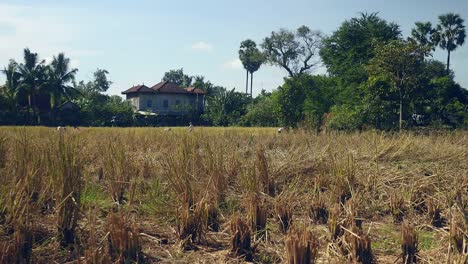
x=190, y=127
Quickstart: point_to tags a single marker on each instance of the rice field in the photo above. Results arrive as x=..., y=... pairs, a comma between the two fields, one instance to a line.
x=232, y=195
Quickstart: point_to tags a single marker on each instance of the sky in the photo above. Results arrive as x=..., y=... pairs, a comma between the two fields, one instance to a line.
x=138, y=41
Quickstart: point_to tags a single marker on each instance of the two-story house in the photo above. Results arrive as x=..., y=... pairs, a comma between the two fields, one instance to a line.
x=166, y=98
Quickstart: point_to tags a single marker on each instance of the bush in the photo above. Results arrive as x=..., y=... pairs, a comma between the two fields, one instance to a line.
x=345, y=117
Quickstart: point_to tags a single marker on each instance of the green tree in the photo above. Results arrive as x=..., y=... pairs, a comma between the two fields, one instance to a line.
x=319, y=97
x=380, y=103
x=11, y=88
x=261, y=112
x=209, y=88
x=199, y=82
x=245, y=46
x=251, y=59
x=119, y=112
x=32, y=79
x=304, y=99
x=98, y=109
x=348, y=50
x=295, y=52
x=345, y=117
x=447, y=102
x=60, y=78
x=290, y=100
x=424, y=34
x=101, y=83
x=226, y=108
x=450, y=33
x=401, y=63
x=178, y=77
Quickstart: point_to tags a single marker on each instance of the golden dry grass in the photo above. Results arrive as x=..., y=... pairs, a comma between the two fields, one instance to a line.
x=149, y=195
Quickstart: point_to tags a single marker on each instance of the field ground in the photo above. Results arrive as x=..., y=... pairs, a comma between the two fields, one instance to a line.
x=102, y=195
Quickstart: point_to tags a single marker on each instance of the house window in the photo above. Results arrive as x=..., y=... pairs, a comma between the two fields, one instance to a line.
x=149, y=104
x=177, y=102
x=165, y=104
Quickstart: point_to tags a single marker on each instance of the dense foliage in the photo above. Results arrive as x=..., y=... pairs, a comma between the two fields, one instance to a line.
x=375, y=79
x=36, y=93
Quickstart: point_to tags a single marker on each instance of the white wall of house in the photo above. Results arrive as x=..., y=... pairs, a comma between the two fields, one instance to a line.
x=167, y=103
x=135, y=101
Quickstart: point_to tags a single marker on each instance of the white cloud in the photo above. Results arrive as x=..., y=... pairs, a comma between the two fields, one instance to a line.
x=46, y=31
x=234, y=64
x=202, y=46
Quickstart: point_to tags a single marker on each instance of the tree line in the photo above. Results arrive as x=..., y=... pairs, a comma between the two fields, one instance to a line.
x=376, y=78
x=35, y=91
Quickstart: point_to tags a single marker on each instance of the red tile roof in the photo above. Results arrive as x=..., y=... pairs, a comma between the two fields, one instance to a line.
x=138, y=89
x=164, y=87
x=167, y=87
x=194, y=90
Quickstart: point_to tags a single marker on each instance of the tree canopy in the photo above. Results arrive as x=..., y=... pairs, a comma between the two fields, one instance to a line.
x=252, y=58
x=348, y=50
x=178, y=77
x=424, y=34
x=400, y=62
x=450, y=33
x=296, y=52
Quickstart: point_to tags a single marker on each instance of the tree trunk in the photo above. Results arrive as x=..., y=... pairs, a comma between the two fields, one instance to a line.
x=29, y=108
x=52, y=108
x=401, y=111
x=448, y=62
x=251, y=83
x=247, y=82
x=35, y=114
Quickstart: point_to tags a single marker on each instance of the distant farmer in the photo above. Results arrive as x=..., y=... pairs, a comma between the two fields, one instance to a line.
x=113, y=120
x=190, y=127
x=283, y=129
x=418, y=119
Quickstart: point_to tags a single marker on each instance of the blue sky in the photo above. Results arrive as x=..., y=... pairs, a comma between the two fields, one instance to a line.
x=137, y=41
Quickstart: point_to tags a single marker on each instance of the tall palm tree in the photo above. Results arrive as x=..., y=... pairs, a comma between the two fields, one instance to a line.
x=256, y=60
x=60, y=80
x=244, y=56
x=450, y=33
x=32, y=79
x=251, y=59
x=11, y=87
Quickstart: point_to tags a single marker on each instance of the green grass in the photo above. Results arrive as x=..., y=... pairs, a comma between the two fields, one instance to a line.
x=155, y=200
x=386, y=239
x=95, y=195
x=427, y=240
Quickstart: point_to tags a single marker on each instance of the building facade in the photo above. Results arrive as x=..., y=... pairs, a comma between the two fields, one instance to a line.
x=166, y=98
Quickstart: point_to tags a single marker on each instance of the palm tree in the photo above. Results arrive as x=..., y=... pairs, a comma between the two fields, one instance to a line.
x=60, y=82
x=251, y=59
x=450, y=33
x=11, y=87
x=424, y=34
x=244, y=54
x=32, y=78
x=256, y=60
